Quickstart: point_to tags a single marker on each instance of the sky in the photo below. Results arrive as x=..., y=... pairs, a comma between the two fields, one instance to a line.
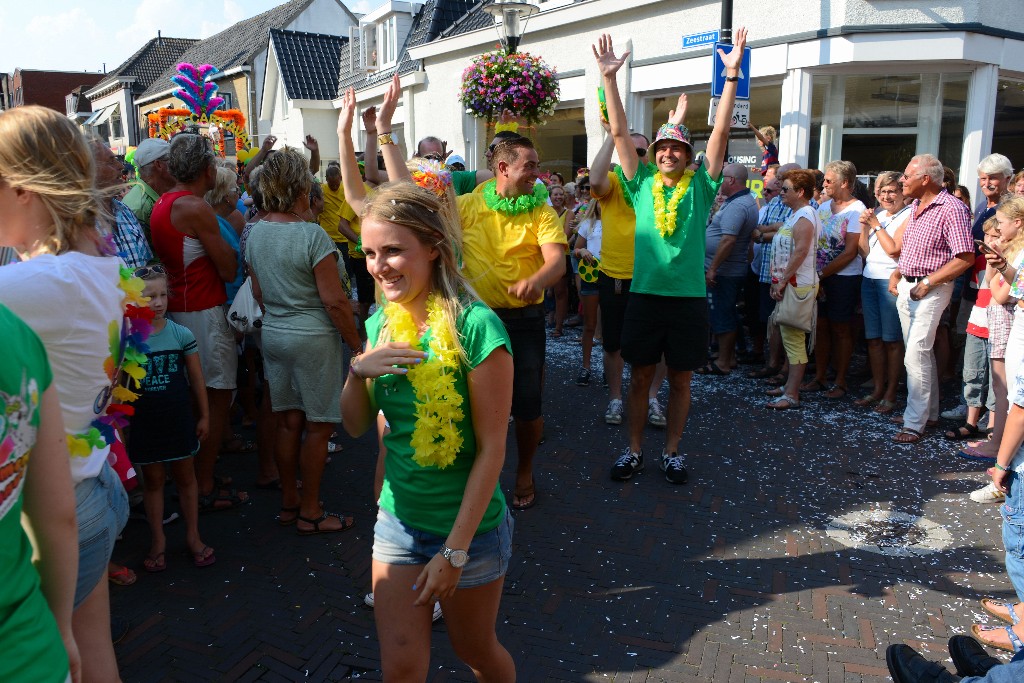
x=82, y=35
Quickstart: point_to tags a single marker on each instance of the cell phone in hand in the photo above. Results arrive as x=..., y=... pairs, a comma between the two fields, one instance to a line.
x=988, y=249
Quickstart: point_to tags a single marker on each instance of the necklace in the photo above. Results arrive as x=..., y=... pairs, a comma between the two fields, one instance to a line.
x=513, y=206
x=665, y=212
x=436, y=439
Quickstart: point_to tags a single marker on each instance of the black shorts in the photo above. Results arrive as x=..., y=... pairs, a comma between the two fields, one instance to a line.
x=613, y=310
x=842, y=294
x=673, y=326
x=364, y=281
x=525, y=327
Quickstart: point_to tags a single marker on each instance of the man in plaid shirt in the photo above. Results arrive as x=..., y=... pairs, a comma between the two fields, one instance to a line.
x=937, y=248
x=129, y=239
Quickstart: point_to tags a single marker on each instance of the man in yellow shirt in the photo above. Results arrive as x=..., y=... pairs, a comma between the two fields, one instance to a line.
x=331, y=216
x=514, y=248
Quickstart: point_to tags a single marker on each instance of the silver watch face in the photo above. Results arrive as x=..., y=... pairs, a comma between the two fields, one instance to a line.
x=458, y=558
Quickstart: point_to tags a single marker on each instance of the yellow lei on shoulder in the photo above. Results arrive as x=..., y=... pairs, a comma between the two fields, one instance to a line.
x=665, y=212
x=436, y=439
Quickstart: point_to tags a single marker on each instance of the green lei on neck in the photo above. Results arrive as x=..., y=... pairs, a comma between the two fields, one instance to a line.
x=513, y=206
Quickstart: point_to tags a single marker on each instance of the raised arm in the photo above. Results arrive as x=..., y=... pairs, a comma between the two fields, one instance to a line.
x=355, y=193
x=371, y=170
x=601, y=164
x=313, y=146
x=609, y=65
x=757, y=133
x=268, y=144
x=723, y=118
x=394, y=164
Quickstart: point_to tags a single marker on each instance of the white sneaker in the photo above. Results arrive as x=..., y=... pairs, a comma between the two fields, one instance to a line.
x=988, y=494
x=437, y=606
x=958, y=413
x=613, y=415
x=654, y=414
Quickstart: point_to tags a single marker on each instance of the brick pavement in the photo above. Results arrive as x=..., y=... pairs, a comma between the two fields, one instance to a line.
x=729, y=579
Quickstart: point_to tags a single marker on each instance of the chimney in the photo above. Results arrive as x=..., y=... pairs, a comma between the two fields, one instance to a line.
x=159, y=39
x=104, y=67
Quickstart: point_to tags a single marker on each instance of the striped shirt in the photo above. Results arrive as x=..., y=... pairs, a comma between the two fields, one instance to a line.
x=935, y=235
x=8, y=255
x=130, y=240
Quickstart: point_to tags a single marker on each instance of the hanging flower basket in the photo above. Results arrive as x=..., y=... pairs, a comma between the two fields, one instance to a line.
x=519, y=82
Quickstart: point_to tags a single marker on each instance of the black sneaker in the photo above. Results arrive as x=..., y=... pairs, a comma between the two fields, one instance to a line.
x=604, y=380
x=672, y=466
x=628, y=464
x=583, y=379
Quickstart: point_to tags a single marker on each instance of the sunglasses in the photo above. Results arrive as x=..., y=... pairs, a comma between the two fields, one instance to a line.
x=145, y=271
x=584, y=188
x=434, y=156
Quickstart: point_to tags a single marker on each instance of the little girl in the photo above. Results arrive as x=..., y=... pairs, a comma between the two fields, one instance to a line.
x=163, y=429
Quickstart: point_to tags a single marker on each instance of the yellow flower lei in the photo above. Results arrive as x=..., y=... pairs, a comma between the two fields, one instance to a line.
x=665, y=215
x=436, y=439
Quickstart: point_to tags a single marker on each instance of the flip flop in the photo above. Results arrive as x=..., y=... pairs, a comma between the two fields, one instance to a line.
x=202, y=558
x=990, y=605
x=867, y=401
x=122, y=577
x=910, y=436
x=963, y=432
x=783, y=403
x=233, y=498
x=885, y=407
x=977, y=630
x=777, y=391
x=974, y=454
x=154, y=564
x=529, y=492
x=832, y=392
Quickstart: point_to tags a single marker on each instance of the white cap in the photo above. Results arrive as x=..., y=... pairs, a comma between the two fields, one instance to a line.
x=151, y=149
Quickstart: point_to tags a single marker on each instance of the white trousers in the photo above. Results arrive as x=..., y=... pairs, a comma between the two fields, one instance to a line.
x=920, y=320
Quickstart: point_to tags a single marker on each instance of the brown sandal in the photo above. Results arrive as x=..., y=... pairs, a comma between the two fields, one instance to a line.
x=527, y=497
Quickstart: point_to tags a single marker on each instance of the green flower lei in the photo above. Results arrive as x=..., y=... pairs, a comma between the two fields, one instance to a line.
x=513, y=206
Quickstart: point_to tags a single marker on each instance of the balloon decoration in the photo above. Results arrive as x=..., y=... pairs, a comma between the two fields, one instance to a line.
x=202, y=108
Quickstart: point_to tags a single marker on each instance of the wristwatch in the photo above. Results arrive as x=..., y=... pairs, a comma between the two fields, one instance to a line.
x=926, y=281
x=456, y=558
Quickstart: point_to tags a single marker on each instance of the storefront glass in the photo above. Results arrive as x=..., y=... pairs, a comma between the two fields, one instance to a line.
x=1008, y=128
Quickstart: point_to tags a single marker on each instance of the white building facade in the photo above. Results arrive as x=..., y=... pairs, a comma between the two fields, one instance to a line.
x=870, y=81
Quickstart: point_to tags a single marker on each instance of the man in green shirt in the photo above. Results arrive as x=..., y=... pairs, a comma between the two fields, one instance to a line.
x=154, y=180
x=667, y=309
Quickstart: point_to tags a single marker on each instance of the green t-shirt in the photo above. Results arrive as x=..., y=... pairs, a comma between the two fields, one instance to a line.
x=673, y=265
x=464, y=182
x=428, y=498
x=35, y=650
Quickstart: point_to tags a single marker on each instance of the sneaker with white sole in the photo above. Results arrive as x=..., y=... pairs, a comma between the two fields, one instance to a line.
x=613, y=415
x=654, y=414
x=628, y=464
x=958, y=413
x=672, y=466
x=988, y=494
x=437, y=607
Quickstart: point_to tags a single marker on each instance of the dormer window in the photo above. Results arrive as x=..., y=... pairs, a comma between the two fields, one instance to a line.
x=382, y=34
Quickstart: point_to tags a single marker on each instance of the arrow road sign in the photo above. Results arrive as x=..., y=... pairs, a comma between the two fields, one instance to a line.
x=718, y=73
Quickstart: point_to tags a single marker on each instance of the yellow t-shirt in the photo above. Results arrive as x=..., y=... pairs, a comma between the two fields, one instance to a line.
x=618, y=228
x=349, y=214
x=334, y=201
x=501, y=250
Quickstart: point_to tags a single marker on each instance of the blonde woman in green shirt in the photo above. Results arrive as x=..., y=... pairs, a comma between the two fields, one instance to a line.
x=438, y=364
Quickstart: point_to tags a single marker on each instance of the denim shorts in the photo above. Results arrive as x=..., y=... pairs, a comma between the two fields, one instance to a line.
x=395, y=542
x=1012, y=512
x=722, y=300
x=881, y=318
x=101, y=505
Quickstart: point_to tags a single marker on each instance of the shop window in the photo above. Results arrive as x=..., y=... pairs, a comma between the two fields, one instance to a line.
x=880, y=121
x=1008, y=127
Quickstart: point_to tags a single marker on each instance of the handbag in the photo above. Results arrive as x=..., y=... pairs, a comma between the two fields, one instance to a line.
x=797, y=311
x=245, y=314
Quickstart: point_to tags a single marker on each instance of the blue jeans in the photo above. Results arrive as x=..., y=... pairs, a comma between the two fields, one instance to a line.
x=978, y=389
x=101, y=505
x=722, y=300
x=1012, y=511
x=1012, y=672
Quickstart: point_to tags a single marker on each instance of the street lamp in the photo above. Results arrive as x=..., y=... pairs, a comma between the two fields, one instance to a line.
x=510, y=21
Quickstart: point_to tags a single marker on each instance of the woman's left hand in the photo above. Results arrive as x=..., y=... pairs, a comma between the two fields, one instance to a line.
x=777, y=290
x=438, y=580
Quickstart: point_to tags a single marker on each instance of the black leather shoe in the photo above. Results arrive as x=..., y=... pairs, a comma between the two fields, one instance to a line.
x=970, y=658
x=906, y=666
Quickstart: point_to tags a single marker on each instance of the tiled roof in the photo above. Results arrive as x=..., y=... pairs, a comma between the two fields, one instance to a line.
x=309, y=63
x=432, y=19
x=151, y=60
x=234, y=45
x=475, y=19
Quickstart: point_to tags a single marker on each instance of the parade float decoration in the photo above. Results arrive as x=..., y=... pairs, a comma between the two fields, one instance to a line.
x=202, y=108
x=519, y=82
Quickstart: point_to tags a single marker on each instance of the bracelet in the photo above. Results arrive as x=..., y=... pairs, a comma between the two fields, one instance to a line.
x=1001, y=468
x=353, y=371
x=732, y=79
x=385, y=139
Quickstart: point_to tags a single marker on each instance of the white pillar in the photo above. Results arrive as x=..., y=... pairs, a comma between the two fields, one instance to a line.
x=981, y=116
x=929, y=115
x=795, y=117
x=832, y=122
